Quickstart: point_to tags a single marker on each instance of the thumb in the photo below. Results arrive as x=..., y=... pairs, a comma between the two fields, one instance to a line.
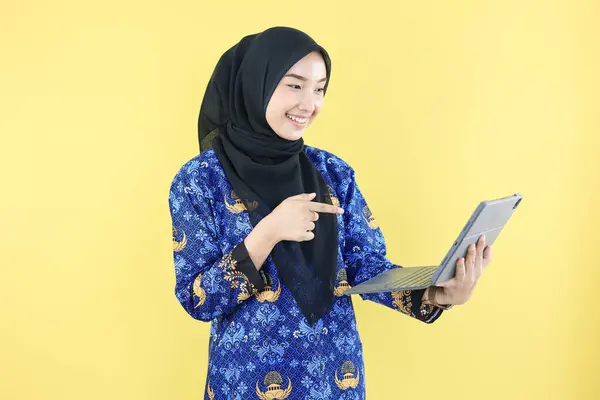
x=447, y=283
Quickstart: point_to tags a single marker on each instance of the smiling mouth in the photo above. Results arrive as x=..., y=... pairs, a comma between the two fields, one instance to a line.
x=297, y=121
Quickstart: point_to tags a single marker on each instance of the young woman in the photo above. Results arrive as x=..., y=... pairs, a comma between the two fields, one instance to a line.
x=268, y=233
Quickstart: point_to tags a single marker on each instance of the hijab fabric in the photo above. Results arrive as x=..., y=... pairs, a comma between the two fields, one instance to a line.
x=264, y=169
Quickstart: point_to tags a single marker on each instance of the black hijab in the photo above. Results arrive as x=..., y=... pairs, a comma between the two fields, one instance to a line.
x=264, y=168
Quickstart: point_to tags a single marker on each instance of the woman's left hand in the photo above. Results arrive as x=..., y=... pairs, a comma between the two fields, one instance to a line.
x=460, y=288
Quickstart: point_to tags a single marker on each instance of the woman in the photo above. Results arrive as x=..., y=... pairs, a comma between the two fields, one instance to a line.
x=261, y=246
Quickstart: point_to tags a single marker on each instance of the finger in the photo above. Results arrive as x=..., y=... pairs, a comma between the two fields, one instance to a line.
x=477, y=268
x=470, y=264
x=309, y=235
x=460, y=270
x=311, y=215
x=302, y=196
x=487, y=256
x=310, y=226
x=480, y=245
x=479, y=257
x=324, y=207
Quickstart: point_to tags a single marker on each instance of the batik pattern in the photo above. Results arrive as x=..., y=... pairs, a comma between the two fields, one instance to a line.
x=260, y=344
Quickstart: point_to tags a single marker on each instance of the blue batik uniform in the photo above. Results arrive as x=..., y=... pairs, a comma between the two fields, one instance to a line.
x=261, y=346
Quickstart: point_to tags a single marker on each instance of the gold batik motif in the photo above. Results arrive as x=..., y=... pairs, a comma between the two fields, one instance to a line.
x=273, y=382
x=237, y=278
x=332, y=197
x=178, y=245
x=238, y=206
x=349, y=380
x=210, y=391
x=267, y=293
x=402, y=301
x=341, y=282
x=198, y=291
x=426, y=309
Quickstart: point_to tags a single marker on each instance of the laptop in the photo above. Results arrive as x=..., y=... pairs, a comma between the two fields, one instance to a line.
x=488, y=219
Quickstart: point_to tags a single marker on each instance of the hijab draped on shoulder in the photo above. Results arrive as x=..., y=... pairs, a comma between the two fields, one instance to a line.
x=264, y=169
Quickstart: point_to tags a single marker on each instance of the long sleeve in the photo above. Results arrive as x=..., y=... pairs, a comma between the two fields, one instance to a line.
x=208, y=283
x=365, y=256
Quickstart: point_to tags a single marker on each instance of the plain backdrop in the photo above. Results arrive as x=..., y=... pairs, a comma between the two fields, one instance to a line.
x=436, y=105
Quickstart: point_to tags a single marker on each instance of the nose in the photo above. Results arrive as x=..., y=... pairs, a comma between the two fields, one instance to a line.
x=307, y=102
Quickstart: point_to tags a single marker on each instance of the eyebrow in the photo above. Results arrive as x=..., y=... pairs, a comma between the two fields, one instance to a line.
x=303, y=78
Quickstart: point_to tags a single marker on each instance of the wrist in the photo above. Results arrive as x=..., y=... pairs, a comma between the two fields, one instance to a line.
x=425, y=298
x=435, y=295
x=267, y=233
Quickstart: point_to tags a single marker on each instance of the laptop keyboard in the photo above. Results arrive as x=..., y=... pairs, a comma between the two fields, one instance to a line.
x=419, y=278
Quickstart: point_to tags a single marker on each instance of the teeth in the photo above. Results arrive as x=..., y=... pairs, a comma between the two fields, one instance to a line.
x=299, y=120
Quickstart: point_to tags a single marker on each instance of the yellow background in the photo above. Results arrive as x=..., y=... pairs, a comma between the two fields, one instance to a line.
x=452, y=102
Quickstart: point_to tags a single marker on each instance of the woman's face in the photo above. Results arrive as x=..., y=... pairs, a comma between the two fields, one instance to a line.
x=299, y=94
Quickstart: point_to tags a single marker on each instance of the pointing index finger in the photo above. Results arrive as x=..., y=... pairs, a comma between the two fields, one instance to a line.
x=324, y=207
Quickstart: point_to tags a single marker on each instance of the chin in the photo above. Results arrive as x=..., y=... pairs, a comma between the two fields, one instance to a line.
x=291, y=135
x=295, y=135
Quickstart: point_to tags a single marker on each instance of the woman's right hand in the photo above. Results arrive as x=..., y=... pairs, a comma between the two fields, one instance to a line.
x=293, y=218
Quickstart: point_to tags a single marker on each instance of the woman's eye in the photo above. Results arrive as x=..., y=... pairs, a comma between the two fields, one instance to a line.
x=321, y=90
